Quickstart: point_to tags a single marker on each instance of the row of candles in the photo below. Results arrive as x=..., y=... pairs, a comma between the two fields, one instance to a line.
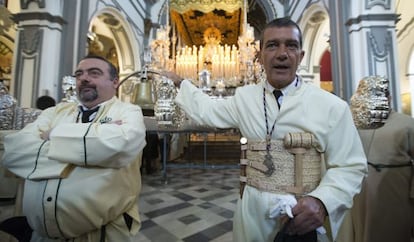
x=222, y=61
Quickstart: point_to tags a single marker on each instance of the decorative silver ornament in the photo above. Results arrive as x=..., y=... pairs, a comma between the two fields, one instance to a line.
x=370, y=105
x=8, y=105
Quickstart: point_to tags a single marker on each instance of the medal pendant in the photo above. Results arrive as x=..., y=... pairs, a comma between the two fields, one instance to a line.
x=268, y=162
x=268, y=138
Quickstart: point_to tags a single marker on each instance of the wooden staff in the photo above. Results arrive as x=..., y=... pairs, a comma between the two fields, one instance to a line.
x=298, y=143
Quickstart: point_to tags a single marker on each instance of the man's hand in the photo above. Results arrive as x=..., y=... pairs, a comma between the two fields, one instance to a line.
x=309, y=214
x=174, y=77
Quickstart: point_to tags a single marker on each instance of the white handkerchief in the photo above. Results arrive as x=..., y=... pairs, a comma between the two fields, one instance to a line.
x=281, y=204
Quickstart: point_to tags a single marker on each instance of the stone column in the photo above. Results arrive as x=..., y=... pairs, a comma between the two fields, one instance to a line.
x=365, y=44
x=38, y=45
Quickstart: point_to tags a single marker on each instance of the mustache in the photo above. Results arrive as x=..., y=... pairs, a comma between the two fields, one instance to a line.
x=83, y=86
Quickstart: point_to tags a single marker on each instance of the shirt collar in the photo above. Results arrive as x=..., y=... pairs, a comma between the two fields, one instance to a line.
x=286, y=90
x=81, y=106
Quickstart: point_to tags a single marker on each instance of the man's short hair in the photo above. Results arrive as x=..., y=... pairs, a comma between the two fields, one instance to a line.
x=282, y=22
x=113, y=71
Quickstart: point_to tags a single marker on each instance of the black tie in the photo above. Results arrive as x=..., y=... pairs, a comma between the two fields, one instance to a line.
x=277, y=94
x=86, y=114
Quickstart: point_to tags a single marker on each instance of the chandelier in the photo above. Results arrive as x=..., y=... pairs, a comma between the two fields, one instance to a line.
x=224, y=64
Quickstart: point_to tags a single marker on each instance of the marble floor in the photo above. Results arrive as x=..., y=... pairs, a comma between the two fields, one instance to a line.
x=191, y=205
x=194, y=205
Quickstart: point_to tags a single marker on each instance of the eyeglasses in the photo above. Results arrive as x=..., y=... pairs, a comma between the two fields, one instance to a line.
x=92, y=72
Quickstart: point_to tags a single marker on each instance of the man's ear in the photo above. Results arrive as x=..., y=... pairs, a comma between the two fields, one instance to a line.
x=302, y=54
x=115, y=82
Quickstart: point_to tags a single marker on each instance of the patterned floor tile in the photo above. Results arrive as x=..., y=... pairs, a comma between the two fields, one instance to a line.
x=196, y=205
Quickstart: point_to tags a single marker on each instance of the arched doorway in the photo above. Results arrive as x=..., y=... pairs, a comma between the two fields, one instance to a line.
x=406, y=98
x=326, y=72
x=110, y=36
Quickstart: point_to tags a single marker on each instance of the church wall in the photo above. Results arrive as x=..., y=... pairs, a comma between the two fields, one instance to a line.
x=368, y=28
x=405, y=39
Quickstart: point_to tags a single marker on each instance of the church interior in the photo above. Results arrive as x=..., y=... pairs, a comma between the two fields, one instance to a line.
x=191, y=193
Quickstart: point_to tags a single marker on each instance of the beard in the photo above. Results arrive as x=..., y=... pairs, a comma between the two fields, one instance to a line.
x=88, y=94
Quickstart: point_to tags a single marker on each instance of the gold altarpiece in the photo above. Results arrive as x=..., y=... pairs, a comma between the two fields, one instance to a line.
x=207, y=35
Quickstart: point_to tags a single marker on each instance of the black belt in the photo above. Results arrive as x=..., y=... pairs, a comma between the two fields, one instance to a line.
x=378, y=167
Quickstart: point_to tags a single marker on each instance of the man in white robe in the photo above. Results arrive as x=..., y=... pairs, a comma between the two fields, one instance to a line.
x=82, y=179
x=304, y=108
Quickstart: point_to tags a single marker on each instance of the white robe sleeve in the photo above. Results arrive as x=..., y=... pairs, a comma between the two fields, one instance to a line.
x=108, y=144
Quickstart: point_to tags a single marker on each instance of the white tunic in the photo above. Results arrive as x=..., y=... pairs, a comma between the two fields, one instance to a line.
x=304, y=109
x=86, y=176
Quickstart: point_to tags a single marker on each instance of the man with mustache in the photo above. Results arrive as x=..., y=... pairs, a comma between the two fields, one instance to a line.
x=80, y=162
x=287, y=124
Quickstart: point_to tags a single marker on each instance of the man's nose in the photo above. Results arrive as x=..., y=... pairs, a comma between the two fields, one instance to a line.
x=282, y=53
x=84, y=77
